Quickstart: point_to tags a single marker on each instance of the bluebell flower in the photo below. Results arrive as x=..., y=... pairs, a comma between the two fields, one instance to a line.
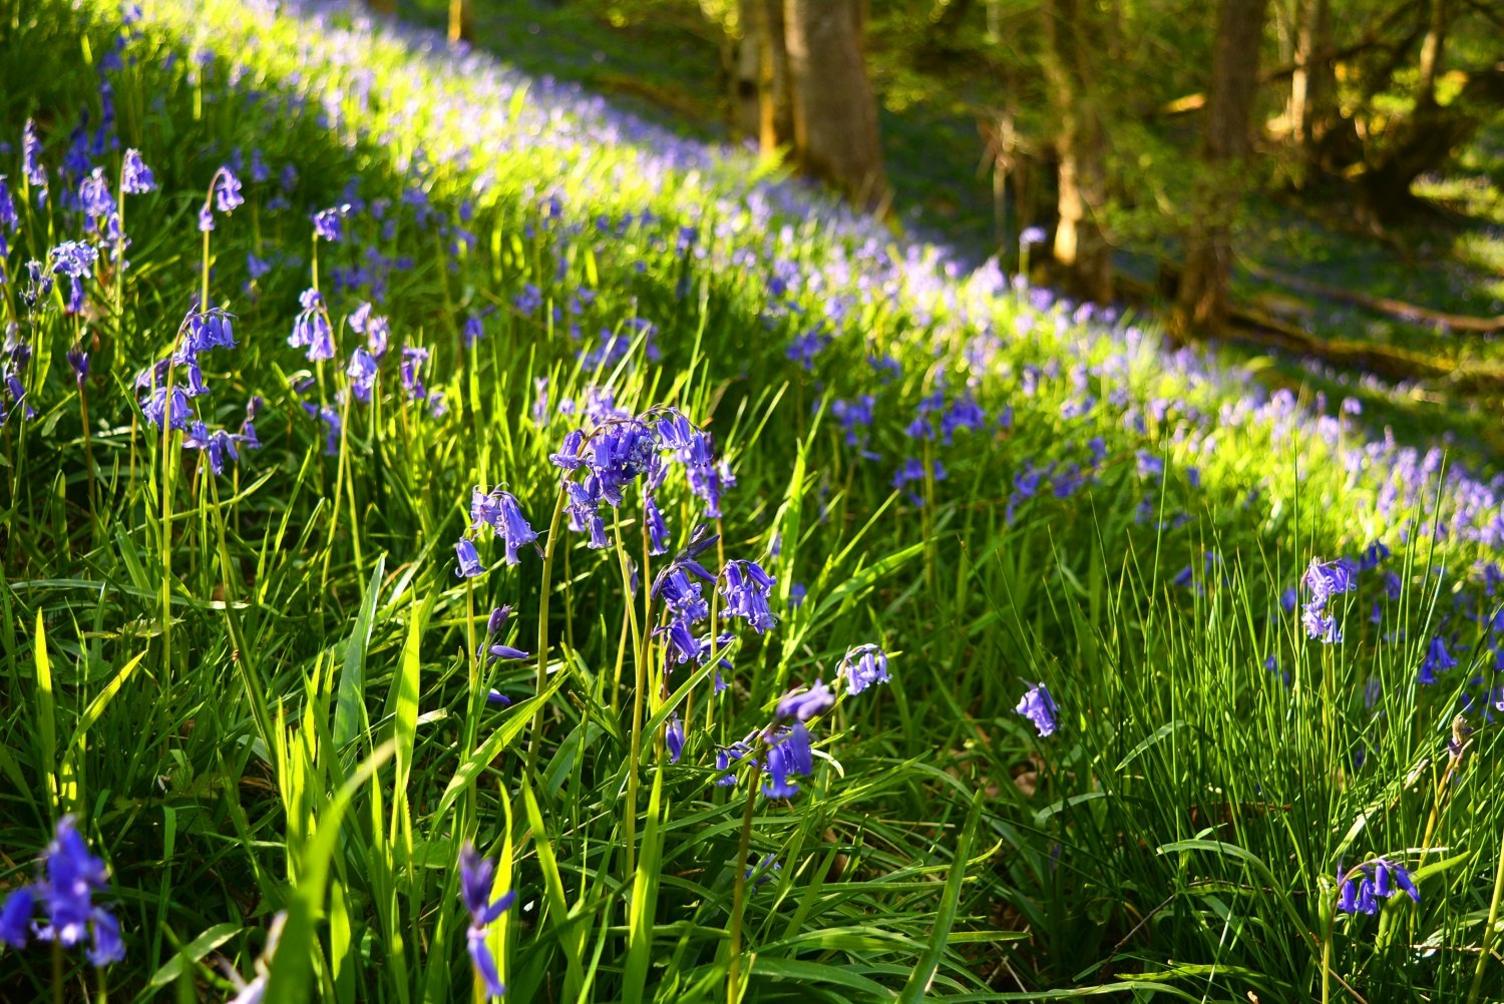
x=414, y=359
x=680, y=593
x=725, y=757
x=1402, y=879
x=72, y=876
x=568, y=457
x=175, y=408
x=203, y=330
x=529, y=299
x=805, y=347
x=777, y=784
x=1347, y=901
x=498, y=619
x=1031, y=235
x=1039, y=708
x=1372, y=556
x=854, y=416
x=1364, y=886
x=863, y=667
x=804, y=703
x=798, y=751
x=657, y=528
x=469, y=560
x=963, y=414
x=332, y=422
x=376, y=328
x=1321, y=626
x=683, y=645
x=78, y=362
x=746, y=588
x=224, y=195
x=1367, y=903
x=618, y=454
x=1323, y=580
x=94, y=198
x=797, y=593
x=8, y=218
x=135, y=177
x=1437, y=659
x=311, y=329
x=218, y=444
x=473, y=330
x=764, y=870
x=362, y=372
x=15, y=917
x=329, y=224
x=193, y=379
x=477, y=875
x=227, y=197
x=583, y=507
x=503, y=513
x=256, y=267
x=673, y=739
x=1392, y=586
x=497, y=698
x=31, y=159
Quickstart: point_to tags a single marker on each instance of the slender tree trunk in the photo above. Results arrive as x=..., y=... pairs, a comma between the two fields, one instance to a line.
x=1074, y=37
x=746, y=111
x=460, y=27
x=1312, y=111
x=775, y=112
x=1432, y=52
x=834, y=111
x=1201, y=303
x=387, y=7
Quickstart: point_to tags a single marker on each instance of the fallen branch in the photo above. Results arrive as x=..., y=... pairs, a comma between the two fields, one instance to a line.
x=1383, y=304
x=1249, y=326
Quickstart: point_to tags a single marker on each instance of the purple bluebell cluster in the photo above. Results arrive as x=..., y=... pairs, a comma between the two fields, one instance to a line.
x=1322, y=581
x=168, y=389
x=71, y=879
x=499, y=511
x=1364, y=886
x=477, y=876
x=312, y=329
x=864, y=666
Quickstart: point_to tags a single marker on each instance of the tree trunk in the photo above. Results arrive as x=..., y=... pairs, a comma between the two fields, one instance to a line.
x=386, y=7
x=1073, y=38
x=1313, y=111
x=1201, y=301
x=763, y=101
x=775, y=113
x=1432, y=51
x=460, y=27
x=746, y=112
x=834, y=111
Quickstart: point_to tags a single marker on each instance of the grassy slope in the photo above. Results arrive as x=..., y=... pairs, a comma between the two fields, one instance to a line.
x=657, y=59
x=1122, y=845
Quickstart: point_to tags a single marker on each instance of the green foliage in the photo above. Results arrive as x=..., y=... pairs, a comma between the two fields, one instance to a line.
x=317, y=742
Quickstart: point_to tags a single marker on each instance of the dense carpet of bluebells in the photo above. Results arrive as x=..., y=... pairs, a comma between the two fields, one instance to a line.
x=460, y=539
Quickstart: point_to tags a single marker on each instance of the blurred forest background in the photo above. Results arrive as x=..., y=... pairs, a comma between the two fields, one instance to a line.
x=1320, y=177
